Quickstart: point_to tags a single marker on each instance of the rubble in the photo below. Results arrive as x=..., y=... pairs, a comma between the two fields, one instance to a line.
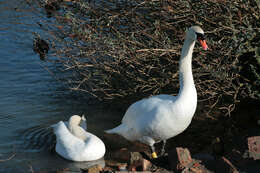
x=180, y=160
x=254, y=147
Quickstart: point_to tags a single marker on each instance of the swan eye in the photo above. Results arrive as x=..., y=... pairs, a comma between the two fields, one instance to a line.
x=200, y=36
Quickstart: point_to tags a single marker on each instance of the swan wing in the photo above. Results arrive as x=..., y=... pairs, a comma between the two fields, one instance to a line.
x=94, y=148
x=146, y=107
x=67, y=144
x=75, y=148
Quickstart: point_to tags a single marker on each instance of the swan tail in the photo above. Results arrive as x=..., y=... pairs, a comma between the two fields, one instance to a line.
x=117, y=130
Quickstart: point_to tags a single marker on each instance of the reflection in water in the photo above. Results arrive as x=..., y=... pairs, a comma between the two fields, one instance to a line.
x=31, y=100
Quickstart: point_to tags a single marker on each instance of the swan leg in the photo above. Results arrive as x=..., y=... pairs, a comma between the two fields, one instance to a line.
x=149, y=141
x=163, y=147
x=154, y=155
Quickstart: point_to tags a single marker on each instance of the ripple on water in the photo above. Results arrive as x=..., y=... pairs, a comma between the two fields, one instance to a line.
x=38, y=138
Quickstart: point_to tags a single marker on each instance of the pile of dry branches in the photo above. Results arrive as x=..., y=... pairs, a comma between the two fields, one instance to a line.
x=126, y=50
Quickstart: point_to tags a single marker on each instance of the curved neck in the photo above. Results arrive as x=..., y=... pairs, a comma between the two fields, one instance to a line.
x=76, y=130
x=185, y=69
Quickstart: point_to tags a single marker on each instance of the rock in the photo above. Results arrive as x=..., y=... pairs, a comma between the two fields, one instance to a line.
x=94, y=169
x=135, y=157
x=136, y=162
x=107, y=170
x=179, y=158
x=180, y=161
x=254, y=147
x=114, y=165
x=122, y=167
x=146, y=165
x=133, y=172
x=133, y=161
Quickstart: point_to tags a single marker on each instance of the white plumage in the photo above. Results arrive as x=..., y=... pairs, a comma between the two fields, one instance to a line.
x=161, y=117
x=75, y=143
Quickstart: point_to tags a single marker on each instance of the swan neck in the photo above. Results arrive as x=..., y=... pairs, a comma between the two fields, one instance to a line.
x=185, y=69
x=76, y=130
x=72, y=125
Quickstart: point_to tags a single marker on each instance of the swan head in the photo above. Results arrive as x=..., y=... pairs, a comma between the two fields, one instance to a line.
x=195, y=33
x=75, y=120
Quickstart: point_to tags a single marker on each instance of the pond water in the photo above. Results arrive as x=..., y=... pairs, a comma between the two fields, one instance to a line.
x=31, y=99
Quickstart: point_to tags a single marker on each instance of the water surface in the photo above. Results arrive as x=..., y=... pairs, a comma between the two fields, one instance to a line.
x=31, y=98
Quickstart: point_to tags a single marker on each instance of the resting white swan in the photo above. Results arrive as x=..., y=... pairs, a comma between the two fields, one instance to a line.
x=161, y=117
x=75, y=143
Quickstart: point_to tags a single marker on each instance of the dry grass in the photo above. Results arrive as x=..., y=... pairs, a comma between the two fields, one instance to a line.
x=127, y=50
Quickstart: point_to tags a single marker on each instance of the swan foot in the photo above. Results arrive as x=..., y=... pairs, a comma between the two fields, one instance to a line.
x=154, y=155
x=163, y=148
x=149, y=141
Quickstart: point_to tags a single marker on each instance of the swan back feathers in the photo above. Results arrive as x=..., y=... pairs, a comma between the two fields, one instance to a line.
x=76, y=144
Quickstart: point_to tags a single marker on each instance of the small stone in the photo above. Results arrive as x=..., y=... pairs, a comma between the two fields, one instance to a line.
x=254, y=147
x=122, y=167
x=146, y=164
x=135, y=163
x=133, y=172
x=95, y=169
x=135, y=157
x=108, y=170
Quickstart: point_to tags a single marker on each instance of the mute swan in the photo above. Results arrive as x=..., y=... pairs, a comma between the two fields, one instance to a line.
x=161, y=117
x=74, y=143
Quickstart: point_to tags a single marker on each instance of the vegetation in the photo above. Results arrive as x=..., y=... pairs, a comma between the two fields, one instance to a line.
x=126, y=50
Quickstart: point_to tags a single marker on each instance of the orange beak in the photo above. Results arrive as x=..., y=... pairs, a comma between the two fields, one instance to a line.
x=203, y=44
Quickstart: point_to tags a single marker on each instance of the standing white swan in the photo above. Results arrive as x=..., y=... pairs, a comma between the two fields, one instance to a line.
x=161, y=117
x=74, y=143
